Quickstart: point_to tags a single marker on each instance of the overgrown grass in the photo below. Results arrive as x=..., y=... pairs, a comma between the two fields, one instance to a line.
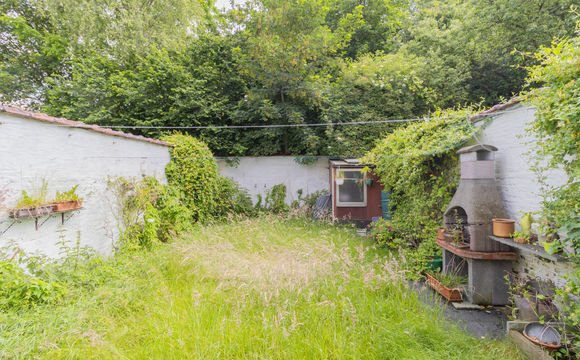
x=266, y=288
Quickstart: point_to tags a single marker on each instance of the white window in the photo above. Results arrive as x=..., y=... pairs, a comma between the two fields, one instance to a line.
x=350, y=188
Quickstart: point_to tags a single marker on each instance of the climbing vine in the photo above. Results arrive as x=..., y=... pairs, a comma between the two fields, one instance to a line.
x=417, y=164
x=556, y=131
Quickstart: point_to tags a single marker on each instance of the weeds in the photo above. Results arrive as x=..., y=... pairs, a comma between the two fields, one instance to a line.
x=263, y=288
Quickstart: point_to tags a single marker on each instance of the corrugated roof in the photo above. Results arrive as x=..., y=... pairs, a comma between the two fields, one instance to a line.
x=77, y=124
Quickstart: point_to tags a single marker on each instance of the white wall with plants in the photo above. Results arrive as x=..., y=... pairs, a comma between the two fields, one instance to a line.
x=42, y=163
x=519, y=185
x=260, y=174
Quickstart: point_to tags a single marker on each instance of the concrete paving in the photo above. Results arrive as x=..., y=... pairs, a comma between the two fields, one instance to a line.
x=486, y=322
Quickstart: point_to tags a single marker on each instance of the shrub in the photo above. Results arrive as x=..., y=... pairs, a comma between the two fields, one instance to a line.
x=417, y=164
x=18, y=289
x=194, y=172
x=276, y=199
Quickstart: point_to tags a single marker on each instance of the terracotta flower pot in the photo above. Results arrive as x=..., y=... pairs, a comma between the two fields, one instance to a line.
x=452, y=295
x=520, y=240
x=67, y=205
x=503, y=227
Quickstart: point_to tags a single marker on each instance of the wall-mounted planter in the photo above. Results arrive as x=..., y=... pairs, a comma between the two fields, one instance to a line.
x=452, y=295
x=369, y=182
x=31, y=211
x=67, y=205
x=503, y=227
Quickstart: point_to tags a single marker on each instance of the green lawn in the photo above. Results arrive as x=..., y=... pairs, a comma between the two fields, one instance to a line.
x=269, y=288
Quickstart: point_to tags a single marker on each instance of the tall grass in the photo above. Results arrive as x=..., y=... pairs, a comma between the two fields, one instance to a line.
x=256, y=289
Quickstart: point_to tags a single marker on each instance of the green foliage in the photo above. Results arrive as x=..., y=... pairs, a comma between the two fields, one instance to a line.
x=375, y=87
x=138, y=218
x=194, y=172
x=276, y=288
x=568, y=298
x=183, y=63
x=383, y=233
x=197, y=84
x=468, y=63
x=31, y=50
x=124, y=29
x=36, y=198
x=450, y=279
x=235, y=199
x=69, y=195
x=19, y=290
x=308, y=201
x=556, y=130
x=417, y=165
x=521, y=235
x=275, y=200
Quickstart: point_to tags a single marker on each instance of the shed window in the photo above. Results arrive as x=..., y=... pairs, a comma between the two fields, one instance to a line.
x=351, y=192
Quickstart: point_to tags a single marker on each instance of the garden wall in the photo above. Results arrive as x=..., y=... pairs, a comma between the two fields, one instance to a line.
x=36, y=147
x=518, y=185
x=258, y=174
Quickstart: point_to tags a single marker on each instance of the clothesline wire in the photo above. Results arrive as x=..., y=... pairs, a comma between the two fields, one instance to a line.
x=200, y=127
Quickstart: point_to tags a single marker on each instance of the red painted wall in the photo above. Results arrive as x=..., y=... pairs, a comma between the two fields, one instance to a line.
x=373, y=208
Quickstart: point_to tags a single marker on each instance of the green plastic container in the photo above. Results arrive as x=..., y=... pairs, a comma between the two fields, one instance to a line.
x=435, y=264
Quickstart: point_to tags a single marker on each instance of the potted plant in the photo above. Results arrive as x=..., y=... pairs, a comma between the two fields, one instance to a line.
x=32, y=205
x=448, y=284
x=67, y=200
x=521, y=237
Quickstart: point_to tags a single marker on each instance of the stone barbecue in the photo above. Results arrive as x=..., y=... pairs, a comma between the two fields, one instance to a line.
x=476, y=202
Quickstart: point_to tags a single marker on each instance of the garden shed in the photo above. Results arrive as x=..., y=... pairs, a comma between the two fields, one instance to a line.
x=44, y=153
x=356, y=194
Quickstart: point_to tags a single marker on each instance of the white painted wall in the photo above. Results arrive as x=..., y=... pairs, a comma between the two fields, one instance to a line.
x=32, y=150
x=258, y=174
x=518, y=185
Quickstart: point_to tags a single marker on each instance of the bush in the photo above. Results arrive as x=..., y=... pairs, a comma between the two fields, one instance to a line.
x=417, y=164
x=194, y=172
x=19, y=290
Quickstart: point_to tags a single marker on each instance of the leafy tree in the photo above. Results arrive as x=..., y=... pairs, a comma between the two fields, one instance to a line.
x=374, y=88
x=287, y=51
x=197, y=85
x=123, y=29
x=381, y=21
x=30, y=51
x=469, y=44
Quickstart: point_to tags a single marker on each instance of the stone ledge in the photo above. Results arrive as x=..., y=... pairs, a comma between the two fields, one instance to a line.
x=529, y=249
x=530, y=350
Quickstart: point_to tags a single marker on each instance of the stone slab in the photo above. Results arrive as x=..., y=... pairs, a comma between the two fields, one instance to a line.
x=465, y=306
x=531, y=350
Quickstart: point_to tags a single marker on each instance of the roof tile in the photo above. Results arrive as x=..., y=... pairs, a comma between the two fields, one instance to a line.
x=77, y=124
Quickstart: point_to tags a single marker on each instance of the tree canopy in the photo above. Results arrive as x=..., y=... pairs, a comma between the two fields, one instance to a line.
x=269, y=62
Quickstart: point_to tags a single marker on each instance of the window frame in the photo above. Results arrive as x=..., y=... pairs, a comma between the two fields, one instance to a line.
x=360, y=204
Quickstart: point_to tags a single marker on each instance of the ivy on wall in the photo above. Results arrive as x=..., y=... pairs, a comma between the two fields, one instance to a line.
x=194, y=172
x=417, y=164
x=556, y=129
